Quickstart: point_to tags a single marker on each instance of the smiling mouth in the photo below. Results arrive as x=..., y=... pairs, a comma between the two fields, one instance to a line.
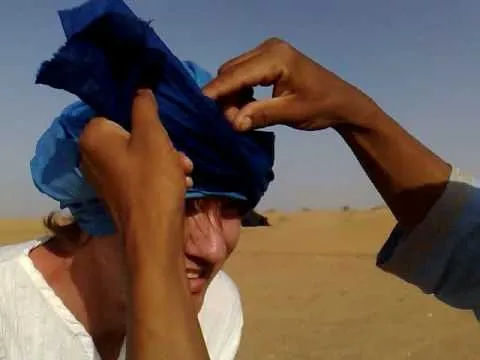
x=197, y=279
x=198, y=272
x=193, y=275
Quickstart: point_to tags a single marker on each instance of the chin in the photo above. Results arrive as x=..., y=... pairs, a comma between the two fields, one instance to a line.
x=197, y=299
x=198, y=288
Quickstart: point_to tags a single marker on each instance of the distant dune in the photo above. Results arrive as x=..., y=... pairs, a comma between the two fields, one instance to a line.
x=311, y=291
x=14, y=230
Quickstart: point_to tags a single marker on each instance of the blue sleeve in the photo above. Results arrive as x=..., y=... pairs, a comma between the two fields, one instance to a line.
x=441, y=256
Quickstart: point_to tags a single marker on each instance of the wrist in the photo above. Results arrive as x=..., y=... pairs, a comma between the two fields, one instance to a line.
x=146, y=216
x=355, y=108
x=360, y=114
x=148, y=253
x=158, y=238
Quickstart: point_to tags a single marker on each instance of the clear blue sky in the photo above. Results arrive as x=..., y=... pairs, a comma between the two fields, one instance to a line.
x=418, y=58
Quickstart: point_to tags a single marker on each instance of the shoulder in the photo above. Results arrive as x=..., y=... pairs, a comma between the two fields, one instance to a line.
x=12, y=272
x=223, y=290
x=16, y=289
x=221, y=318
x=222, y=303
x=13, y=251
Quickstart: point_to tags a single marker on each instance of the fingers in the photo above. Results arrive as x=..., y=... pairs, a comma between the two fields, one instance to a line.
x=145, y=121
x=187, y=166
x=262, y=113
x=257, y=70
x=259, y=66
x=265, y=46
x=232, y=104
x=88, y=171
x=102, y=140
x=230, y=112
x=239, y=59
x=102, y=145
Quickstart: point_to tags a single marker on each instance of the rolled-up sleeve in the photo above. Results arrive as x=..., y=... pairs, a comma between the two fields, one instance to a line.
x=441, y=255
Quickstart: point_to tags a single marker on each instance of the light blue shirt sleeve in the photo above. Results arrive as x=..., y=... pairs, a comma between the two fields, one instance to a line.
x=441, y=255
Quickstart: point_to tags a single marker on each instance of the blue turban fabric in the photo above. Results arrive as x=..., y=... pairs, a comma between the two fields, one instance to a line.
x=109, y=54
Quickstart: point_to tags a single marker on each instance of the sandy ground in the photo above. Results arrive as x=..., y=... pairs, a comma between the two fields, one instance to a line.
x=311, y=291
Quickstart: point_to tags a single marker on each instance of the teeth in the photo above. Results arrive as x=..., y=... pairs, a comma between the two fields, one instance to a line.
x=192, y=275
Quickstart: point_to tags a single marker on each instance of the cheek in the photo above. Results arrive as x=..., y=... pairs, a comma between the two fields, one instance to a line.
x=231, y=233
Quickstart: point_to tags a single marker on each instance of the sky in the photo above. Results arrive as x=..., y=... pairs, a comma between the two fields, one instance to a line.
x=417, y=58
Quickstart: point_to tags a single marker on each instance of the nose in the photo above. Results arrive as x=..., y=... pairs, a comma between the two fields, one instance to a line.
x=204, y=238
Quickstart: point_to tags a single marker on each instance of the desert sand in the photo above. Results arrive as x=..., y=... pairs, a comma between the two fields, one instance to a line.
x=311, y=290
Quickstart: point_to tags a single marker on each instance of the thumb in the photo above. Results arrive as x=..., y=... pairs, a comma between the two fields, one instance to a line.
x=145, y=121
x=263, y=113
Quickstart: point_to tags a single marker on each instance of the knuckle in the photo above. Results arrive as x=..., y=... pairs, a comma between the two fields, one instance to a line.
x=284, y=48
x=260, y=117
x=279, y=46
x=275, y=42
x=224, y=68
x=285, y=54
x=92, y=133
x=281, y=51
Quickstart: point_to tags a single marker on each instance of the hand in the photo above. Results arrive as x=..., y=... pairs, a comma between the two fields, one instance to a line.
x=305, y=96
x=140, y=176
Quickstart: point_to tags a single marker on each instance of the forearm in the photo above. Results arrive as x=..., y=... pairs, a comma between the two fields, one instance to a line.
x=162, y=322
x=409, y=177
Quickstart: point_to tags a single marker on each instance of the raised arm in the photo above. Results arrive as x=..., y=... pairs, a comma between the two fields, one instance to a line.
x=436, y=244
x=141, y=178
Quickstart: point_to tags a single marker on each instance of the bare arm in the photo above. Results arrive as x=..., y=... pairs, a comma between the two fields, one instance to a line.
x=409, y=177
x=162, y=322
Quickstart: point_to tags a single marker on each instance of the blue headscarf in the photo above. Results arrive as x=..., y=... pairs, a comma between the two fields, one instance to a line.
x=109, y=54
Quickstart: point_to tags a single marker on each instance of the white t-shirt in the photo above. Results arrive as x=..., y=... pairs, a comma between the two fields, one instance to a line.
x=36, y=325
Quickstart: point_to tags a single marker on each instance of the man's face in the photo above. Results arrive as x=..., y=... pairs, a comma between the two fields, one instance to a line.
x=212, y=229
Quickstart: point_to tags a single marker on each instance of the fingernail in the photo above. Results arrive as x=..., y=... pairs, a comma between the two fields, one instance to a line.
x=206, y=92
x=189, y=162
x=244, y=123
x=146, y=92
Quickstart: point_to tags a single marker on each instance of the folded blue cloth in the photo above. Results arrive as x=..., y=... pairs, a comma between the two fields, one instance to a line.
x=109, y=54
